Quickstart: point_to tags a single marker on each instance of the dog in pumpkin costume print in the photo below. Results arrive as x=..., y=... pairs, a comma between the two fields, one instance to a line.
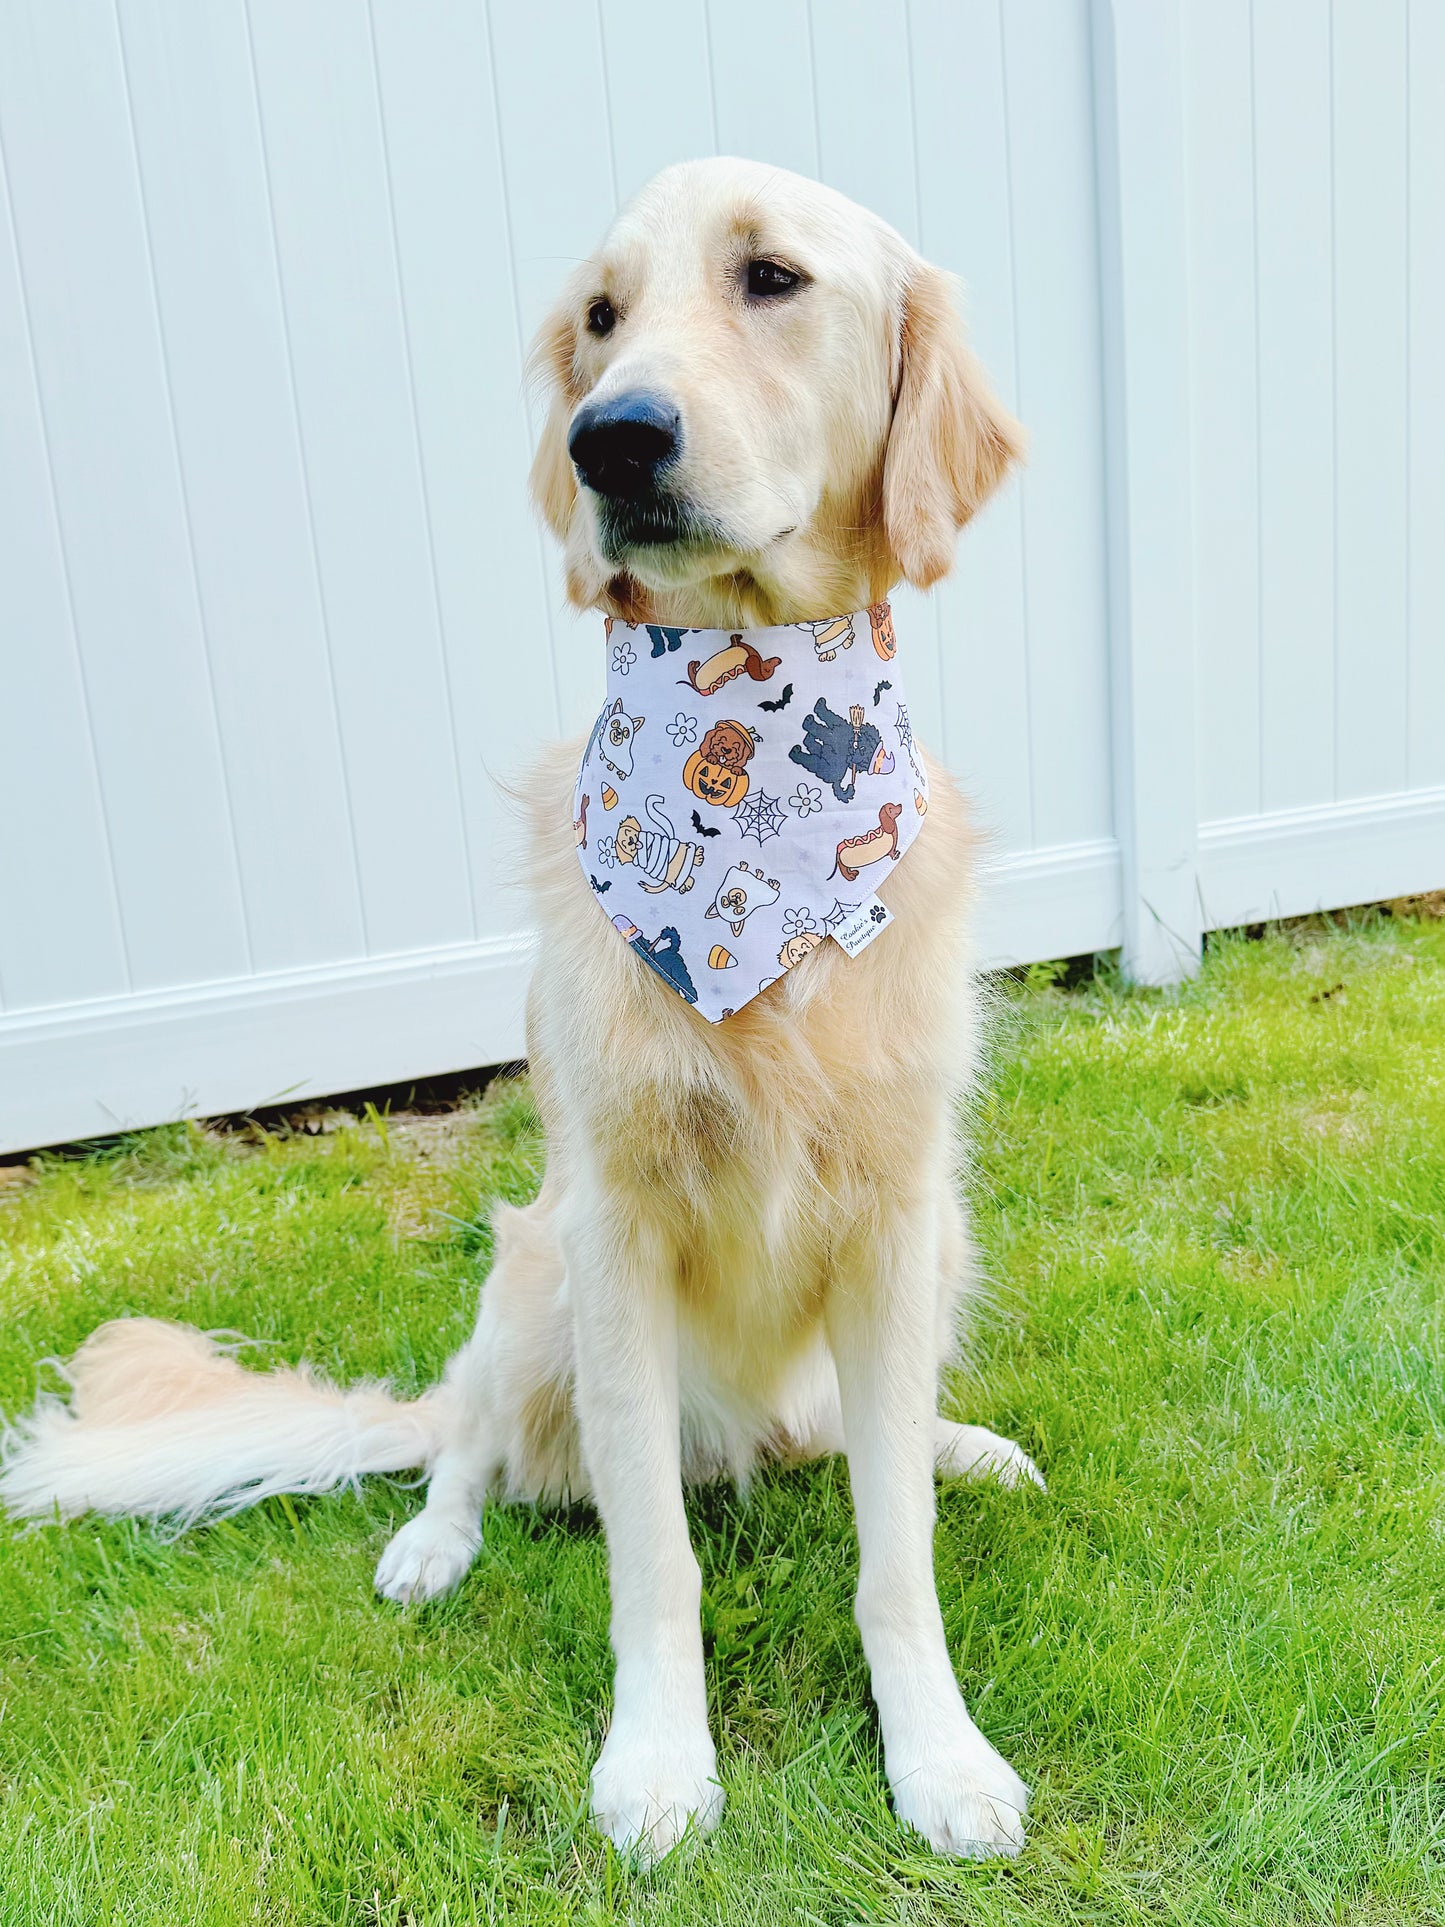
x=717, y=770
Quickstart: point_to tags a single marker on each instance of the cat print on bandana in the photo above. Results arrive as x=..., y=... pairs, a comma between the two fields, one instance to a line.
x=743, y=794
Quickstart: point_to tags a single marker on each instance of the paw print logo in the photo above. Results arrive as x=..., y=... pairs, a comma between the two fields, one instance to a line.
x=806, y=799
x=683, y=730
x=878, y=913
x=607, y=851
x=795, y=922
x=623, y=657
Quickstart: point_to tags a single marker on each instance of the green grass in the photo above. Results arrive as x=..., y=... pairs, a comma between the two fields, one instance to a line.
x=1215, y=1227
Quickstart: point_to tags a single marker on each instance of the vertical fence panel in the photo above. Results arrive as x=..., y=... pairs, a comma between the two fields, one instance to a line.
x=1295, y=252
x=1370, y=300
x=561, y=192
x=204, y=187
x=103, y=381
x=1138, y=73
x=864, y=106
x=1426, y=393
x=562, y=187
x=326, y=162
x=965, y=222
x=773, y=118
x=444, y=161
x=57, y=946
x=1224, y=420
x=1050, y=123
x=643, y=68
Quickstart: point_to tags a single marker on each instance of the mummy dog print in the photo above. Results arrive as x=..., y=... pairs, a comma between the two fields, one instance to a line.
x=743, y=794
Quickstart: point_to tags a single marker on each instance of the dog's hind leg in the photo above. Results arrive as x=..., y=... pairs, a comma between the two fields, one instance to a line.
x=432, y=1552
x=959, y=1452
x=967, y=1451
x=810, y=1414
x=510, y=1422
x=972, y=1452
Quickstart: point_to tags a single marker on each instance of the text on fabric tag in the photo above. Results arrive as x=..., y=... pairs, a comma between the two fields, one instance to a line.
x=861, y=926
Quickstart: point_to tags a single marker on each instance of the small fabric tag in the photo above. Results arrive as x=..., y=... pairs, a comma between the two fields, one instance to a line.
x=861, y=926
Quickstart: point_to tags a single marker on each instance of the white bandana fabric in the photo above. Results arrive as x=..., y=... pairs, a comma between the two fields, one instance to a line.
x=742, y=795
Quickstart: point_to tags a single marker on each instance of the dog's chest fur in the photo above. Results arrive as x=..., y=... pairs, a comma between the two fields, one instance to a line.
x=759, y=1146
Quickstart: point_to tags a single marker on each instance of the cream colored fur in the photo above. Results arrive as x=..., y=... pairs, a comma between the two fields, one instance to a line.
x=750, y=1239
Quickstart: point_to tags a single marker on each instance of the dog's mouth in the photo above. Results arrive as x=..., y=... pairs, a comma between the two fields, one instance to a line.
x=653, y=522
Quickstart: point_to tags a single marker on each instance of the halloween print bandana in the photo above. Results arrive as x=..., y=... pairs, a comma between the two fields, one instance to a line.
x=742, y=795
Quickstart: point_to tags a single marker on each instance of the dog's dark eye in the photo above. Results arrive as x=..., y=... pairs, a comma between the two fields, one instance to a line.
x=601, y=317
x=767, y=279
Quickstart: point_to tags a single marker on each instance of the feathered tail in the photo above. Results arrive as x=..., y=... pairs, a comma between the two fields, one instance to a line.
x=163, y=1423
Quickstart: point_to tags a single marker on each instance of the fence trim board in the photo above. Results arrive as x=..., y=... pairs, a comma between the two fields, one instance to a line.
x=1253, y=869
x=1063, y=902
x=206, y=1050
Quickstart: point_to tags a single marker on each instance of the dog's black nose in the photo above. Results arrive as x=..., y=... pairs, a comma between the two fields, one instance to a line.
x=619, y=446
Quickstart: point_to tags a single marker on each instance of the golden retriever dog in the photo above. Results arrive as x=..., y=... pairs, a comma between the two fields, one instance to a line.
x=750, y=1240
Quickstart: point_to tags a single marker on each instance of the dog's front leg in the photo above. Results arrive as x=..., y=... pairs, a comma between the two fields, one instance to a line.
x=657, y=1771
x=947, y=1780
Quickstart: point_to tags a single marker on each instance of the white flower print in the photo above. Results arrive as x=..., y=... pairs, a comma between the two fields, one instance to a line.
x=607, y=851
x=795, y=922
x=623, y=657
x=682, y=729
x=805, y=799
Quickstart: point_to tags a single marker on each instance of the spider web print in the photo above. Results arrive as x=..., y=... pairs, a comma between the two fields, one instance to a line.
x=905, y=730
x=839, y=914
x=759, y=815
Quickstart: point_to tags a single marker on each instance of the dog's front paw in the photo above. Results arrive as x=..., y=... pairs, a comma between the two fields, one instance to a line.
x=965, y=1799
x=646, y=1793
x=428, y=1557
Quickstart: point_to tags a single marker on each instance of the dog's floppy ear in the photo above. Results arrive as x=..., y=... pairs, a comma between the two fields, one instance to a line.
x=952, y=440
x=552, y=482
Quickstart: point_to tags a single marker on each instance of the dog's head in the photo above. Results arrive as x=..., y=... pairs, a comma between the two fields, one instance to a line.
x=730, y=745
x=762, y=404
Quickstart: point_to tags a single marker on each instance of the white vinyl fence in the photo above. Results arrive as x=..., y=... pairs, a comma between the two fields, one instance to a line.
x=267, y=268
